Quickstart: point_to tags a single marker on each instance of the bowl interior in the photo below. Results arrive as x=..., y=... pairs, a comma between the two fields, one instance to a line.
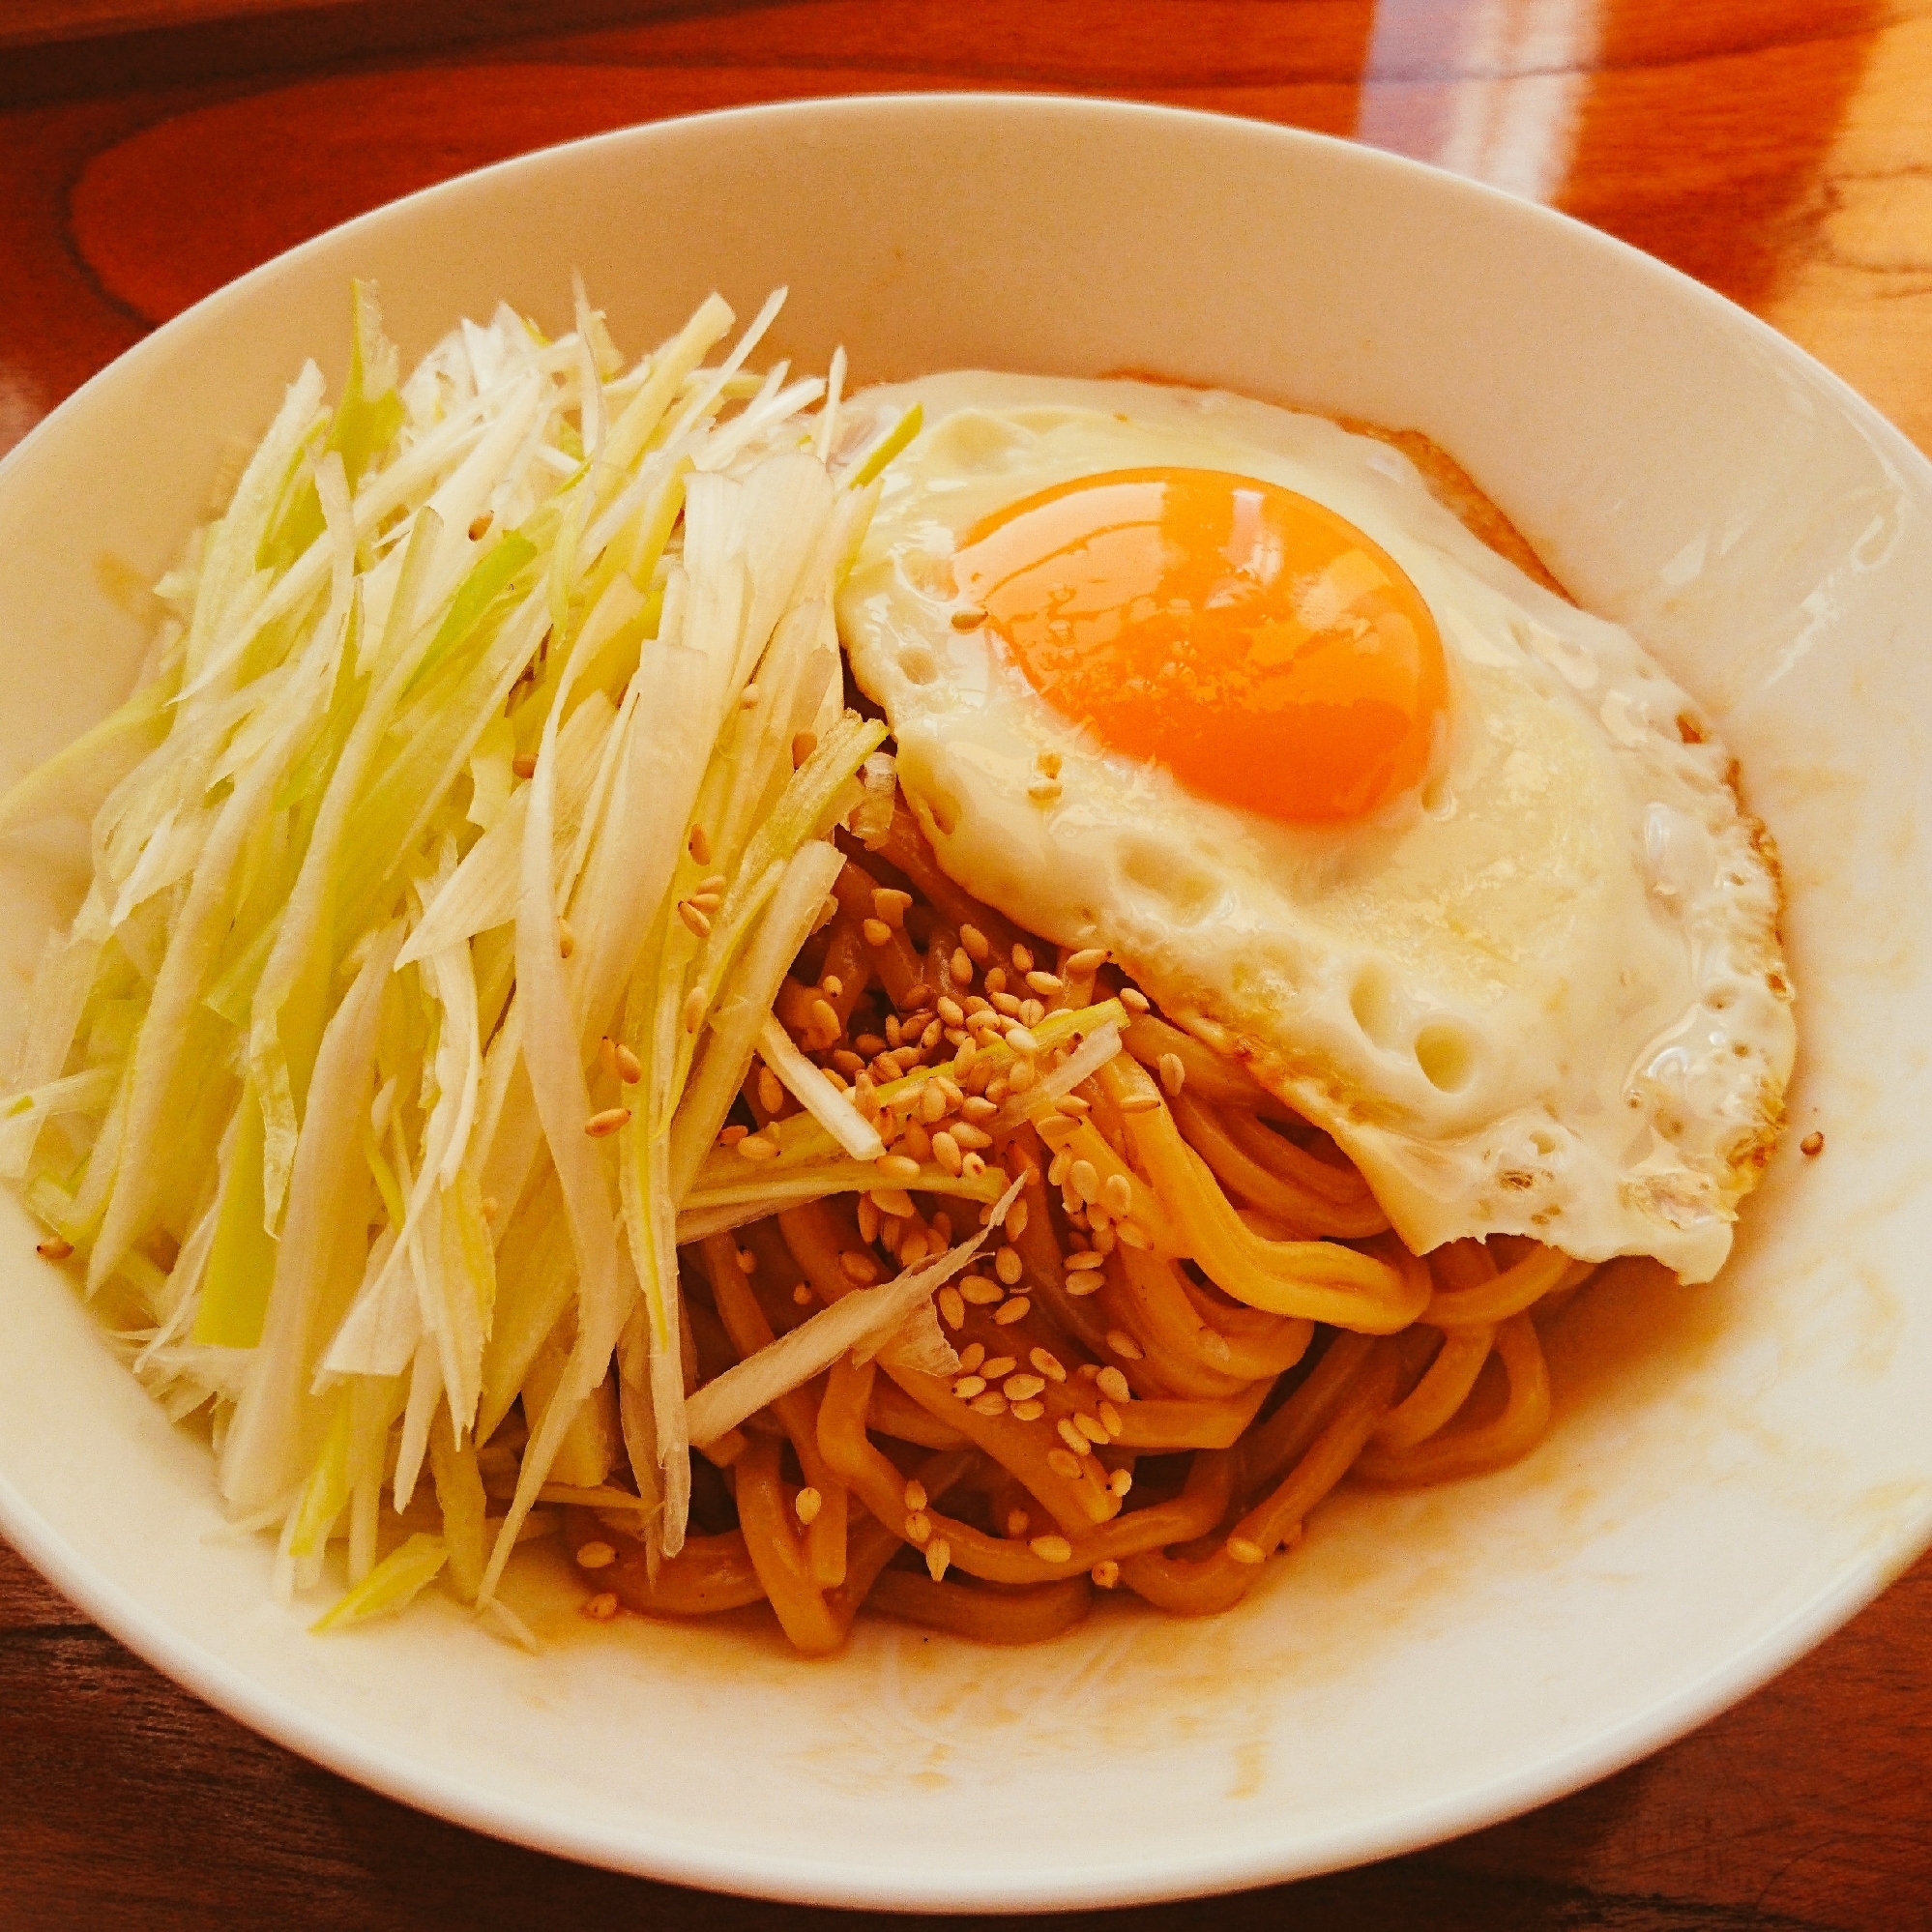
x=1732, y=1470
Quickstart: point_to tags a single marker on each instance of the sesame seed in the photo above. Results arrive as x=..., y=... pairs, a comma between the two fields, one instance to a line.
x=1044, y=791
x=999, y=1366
x=1048, y=1364
x=877, y=932
x=916, y=1497
x=1045, y=984
x=1214, y=1347
x=1015, y=1311
x=1133, y=1235
x=951, y=1306
x=972, y=1356
x=1244, y=1551
x=1071, y=1434
x=802, y=1295
x=602, y=1607
x=977, y=1108
x=1140, y=1104
x=961, y=967
x=1173, y=1074
x=1092, y=1427
x=968, y=1387
x=771, y=1090
x=1121, y=1481
x=1084, y=1258
x=630, y=1068
x=595, y=1556
x=1022, y=1042
x=1056, y=1130
x=868, y=1219
x=918, y=1527
x=950, y=1011
x=1018, y=1522
x=991, y=1403
x=1084, y=1180
x=1812, y=1145
x=1020, y=1388
x=980, y=1291
x=968, y=617
x=747, y=1262
x=567, y=940
x=755, y=1147
x=932, y=1104
x=1106, y=1573
x=694, y=919
x=694, y=1008
x=858, y=1268
x=1007, y=1265
x=1022, y=959
x=1056, y=1168
x=1118, y=1194
x=54, y=1248
x=1051, y=1549
x=803, y=745
x=698, y=845
x=1031, y=1409
x=611, y=1119
x=1111, y=1381
x=897, y=1166
x=1016, y=1217
x=938, y=1557
x=1089, y=959
x=1110, y=1420
x=747, y=698
x=806, y=1505
x=916, y=995
x=891, y=904
x=946, y=1151
x=523, y=764
x=1134, y=1000
x=730, y=1136
x=1031, y=1014
x=1021, y=1074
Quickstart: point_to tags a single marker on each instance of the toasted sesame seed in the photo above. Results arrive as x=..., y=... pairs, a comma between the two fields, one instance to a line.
x=976, y=1107
x=1007, y=1265
x=1073, y=1436
x=695, y=1010
x=1106, y=1573
x=613, y=1117
x=917, y=996
x=771, y=1090
x=802, y=1295
x=998, y=1367
x=868, y=1219
x=1015, y=1311
x=890, y=904
x=959, y=968
x=1051, y=1549
x=1056, y=1168
x=1022, y=1041
x=1134, y=1000
x=730, y=1136
x=1021, y=1074
x=950, y=1011
x=918, y=1527
x=1056, y=1130
x=755, y=1147
x=698, y=845
x=1064, y=1463
x=803, y=745
x=55, y=1248
x=1020, y=1388
x=858, y=1268
x=1048, y=1364
x=694, y=919
x=1812, y=1145
x=1110, y=1420
x=523, y=764
x=595, y=1556
x=951, y=1307
x=968, y=1387
x=1018, y=1522
x=747, y=1262
x=1084, y=1180
x=946, y=1151
x=630, y=1068
x=1118, y=1194
x=938, y=1559
x=1084, y=1258
x=932, y=1104
x=1214, y=1347
x=1030, y=1410
x=1121, y=1481
x=1092, y=1427
x=991, y=1403
x=1044, y=791
x=602, y=1607
x=1111, y=1381
x=916, y=1497
x=1173, y=1073
x=968, y=617
x=897, y=1166
x=1045, y=984
x=806, y=1505
x=1133, y=1235
x=1244, y=1551
x=980, y=1291
x=1089, y=959
x=1140, y=1104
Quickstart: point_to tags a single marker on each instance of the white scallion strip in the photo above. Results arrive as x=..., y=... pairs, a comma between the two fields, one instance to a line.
x=809, y=1086
x=1082, y=1064
x=865, y=1320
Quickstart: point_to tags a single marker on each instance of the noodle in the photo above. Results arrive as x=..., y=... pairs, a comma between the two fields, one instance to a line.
x=1193, y=1327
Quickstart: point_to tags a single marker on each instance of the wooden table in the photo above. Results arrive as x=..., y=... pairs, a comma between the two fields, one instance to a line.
x=1781, y=150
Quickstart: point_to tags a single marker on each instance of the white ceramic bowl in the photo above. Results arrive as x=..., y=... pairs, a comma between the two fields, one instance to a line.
x=1732, y=1470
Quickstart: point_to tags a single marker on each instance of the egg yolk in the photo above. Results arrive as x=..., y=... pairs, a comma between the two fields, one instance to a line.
x=1256, y=644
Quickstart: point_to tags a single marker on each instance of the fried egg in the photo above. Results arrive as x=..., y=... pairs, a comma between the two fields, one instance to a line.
x=1450, y=864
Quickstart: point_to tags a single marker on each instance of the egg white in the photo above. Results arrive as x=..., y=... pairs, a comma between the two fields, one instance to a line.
x=1541, y=996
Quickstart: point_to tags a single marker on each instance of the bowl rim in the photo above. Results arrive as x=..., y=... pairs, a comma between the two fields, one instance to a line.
x=1259, y=1860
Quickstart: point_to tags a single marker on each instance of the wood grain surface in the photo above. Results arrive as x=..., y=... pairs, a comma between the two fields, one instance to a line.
x=1779, y=150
